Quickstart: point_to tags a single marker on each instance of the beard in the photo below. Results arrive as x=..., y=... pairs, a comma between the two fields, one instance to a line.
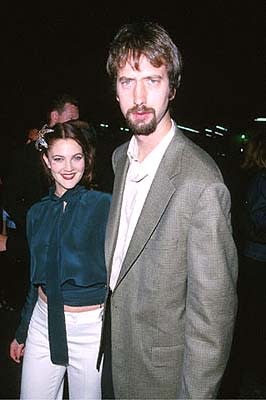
x=140, y=127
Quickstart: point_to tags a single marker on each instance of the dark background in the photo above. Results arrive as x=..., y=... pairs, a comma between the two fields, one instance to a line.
x=49, y=48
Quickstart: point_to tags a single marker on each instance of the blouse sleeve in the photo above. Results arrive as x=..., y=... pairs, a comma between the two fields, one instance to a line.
x=27, y=310
x=26, y=313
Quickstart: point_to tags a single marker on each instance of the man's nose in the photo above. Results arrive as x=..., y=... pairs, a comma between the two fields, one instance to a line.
x=139, y=94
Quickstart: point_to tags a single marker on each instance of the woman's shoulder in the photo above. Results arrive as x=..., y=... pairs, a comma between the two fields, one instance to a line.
x=258, y=177
x=95, y=203
x=96, y=196
x=38, y=206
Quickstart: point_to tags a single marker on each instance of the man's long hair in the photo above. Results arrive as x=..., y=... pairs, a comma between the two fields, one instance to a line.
x=148, y=39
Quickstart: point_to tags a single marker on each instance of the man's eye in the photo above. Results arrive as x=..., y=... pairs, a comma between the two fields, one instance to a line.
x=126, y=82
x=153, y=81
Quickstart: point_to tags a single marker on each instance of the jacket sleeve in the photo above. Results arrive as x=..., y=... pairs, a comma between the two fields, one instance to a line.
x=211, y=302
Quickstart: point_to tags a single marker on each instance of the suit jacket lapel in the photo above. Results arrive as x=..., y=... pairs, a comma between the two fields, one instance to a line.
x=115, y=209
x=158, y=197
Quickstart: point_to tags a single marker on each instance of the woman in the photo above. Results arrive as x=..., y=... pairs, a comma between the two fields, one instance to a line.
x=252, y=276
x=61, y=320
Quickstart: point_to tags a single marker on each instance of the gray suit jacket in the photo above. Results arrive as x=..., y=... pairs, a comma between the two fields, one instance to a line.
x=174, y=304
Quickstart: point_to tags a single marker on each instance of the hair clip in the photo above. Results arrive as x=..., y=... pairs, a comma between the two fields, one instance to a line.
x=41, y=143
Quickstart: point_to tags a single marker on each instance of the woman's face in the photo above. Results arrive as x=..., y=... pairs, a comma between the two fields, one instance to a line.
x=66, y=162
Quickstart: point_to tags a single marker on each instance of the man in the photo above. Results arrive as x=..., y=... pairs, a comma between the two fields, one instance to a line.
x=171, y=259
x=23, y=187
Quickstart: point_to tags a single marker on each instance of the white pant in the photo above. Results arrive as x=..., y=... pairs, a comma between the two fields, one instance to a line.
x=43, y=380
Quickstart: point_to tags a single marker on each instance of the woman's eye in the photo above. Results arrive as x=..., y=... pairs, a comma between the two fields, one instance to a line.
x=77, y=158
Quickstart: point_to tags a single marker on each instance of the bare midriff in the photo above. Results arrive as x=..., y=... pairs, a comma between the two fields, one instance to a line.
x=71, y=308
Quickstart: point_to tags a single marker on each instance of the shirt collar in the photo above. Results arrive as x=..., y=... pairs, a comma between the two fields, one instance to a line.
x=150, y=163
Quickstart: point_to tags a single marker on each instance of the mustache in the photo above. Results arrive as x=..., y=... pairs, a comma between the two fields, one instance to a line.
x=140, y=109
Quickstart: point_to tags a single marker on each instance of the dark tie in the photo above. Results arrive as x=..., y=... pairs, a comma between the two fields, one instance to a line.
x=56, y=316
x=107, y=379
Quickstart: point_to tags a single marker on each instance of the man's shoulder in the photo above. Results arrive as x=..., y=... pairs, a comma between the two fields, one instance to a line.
x=120, y=152
x=121, y=149
x=196, y=160
x=199, y=154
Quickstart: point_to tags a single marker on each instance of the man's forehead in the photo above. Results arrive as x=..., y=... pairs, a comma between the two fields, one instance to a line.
x=134, y=62
x=70, y=106
x=141, y=64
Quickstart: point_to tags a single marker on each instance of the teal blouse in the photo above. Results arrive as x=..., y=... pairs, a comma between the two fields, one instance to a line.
x=66, y=240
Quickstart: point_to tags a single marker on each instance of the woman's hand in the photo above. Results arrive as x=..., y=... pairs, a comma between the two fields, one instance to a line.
x=3, y=240
x=16, y=351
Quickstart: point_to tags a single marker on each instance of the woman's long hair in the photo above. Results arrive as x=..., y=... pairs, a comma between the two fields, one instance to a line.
x=255, y=152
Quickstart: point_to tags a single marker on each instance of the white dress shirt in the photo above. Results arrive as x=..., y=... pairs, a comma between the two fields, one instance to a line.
x=138, y=182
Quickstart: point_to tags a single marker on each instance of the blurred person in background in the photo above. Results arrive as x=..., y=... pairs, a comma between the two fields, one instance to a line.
x=252, y=271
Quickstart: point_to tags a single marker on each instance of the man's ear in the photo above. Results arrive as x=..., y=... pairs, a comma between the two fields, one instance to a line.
x=46, y=160
x=172, y=94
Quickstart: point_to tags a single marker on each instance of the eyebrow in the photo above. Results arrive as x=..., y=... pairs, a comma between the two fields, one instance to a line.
x=61, y=155
x=155, y=76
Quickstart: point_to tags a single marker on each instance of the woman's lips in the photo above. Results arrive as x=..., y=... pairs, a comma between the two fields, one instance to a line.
x=68, y=177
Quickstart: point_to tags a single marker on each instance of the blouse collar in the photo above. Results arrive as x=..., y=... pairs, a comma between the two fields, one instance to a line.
x=68, y=195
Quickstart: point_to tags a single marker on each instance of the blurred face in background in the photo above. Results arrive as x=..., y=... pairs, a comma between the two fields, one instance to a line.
x=69, y=113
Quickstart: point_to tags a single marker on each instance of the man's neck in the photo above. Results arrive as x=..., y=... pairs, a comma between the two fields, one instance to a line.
x=147, y=143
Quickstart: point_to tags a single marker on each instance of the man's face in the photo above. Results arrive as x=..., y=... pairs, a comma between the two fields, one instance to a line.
x=143, y=95
x=70, y=112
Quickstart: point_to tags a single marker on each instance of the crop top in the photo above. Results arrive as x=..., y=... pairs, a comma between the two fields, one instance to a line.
x=66, y=241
